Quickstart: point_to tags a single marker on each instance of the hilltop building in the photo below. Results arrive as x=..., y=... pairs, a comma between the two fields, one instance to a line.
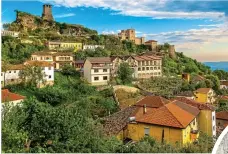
x=207, y=117
x=59, y=45
x=144, y=67
x=97, y=70
x=177, y=121
x=222, y=119
x=129, y=35
x=205, y=95
x=92, y=47
x=58, y=59
x=10, y=33
x=47, y=12
x=152, y=45
x=12, y=75
x=224, y=84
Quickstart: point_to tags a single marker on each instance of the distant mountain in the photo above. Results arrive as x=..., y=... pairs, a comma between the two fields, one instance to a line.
x=217, y=65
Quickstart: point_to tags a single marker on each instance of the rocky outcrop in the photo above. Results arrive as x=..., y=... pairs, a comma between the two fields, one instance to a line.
x=28, y=22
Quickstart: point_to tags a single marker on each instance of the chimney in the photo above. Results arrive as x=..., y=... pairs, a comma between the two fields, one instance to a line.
x=144, y=109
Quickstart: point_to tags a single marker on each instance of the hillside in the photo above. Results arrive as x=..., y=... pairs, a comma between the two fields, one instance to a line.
x=26, y=22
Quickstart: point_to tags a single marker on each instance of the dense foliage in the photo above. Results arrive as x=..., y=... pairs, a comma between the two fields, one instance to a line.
x=183, y=64
x=16, y=52
x=124, y=73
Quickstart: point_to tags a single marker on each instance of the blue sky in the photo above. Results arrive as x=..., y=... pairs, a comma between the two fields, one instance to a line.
x=197, y=28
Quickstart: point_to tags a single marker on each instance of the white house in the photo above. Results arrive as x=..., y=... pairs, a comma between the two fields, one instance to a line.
x=12, y=76
x=224, y=84
x=143, y=66
x=9, y=33
x=92, y=47
x=97, y=70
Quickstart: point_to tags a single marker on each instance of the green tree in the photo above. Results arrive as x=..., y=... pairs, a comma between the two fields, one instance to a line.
x=125, y=73
x=214, y=80
x=69, y=70
x=32, y=75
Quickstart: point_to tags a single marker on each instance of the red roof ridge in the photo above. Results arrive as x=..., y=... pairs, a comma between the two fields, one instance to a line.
x=174, y=116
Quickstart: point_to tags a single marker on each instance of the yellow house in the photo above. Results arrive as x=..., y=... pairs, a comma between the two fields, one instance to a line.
x=207, y=116
x=174, y=123
x=58, y=45
x=205, y=95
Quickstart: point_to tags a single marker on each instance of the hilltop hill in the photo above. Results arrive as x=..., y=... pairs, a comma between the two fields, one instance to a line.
x=26, y=22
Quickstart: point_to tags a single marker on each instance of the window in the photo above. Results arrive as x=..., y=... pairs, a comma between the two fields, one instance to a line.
x=9, y=71
x=96, y=78
x=155, y=68
x=147, y=131
x=105, y=78
x=15, y=71
x=49, y=68
x=151, y=68
x=147, y=68
x=49, y=76
x=12, y=80
x=139, y=69
x=194, y=122
x=105, y=70
x=1, y=74
x=96, y=70
x=213, y=118
x=143, y=68
x=213, y=128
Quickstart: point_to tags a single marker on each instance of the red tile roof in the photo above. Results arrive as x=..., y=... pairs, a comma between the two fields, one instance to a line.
x=171, y=115
x=99, y=59
x=152, y=101
x=194, y=103
x=203, y=90
x=38, y=63
x=224, y=97
x=224, y=83
x=8, y=96
x=222, y=115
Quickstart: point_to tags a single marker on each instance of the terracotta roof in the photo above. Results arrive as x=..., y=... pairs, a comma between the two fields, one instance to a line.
x=116, y=122
x=194, y=103
x=171, y=115
x=39, y=63
x=99, y=59
x=224, y=83
x=203, y=90
x=152, y=101
x=7, y=96
x=188, y=108
x=149, y=41
x=142, y=58
x=224, y=97
x=222, y=115
x=198, y=78
x=16, y=67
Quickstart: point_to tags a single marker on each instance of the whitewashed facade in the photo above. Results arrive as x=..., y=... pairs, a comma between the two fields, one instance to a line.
x=92, y=47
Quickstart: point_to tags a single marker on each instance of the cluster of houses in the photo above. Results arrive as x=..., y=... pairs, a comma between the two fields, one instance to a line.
x=176, y=121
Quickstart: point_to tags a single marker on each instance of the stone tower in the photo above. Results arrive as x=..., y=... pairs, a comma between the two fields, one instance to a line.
x=47, y=12
x=172, y=53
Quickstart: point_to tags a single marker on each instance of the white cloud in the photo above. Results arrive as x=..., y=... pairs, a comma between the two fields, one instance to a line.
x=143, y=8
x=64, y=15
x=212, y=25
